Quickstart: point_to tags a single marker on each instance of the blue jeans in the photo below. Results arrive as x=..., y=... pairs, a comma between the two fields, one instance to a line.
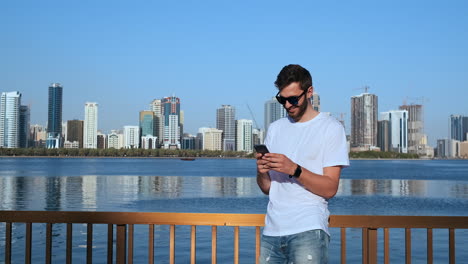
x=306, y=247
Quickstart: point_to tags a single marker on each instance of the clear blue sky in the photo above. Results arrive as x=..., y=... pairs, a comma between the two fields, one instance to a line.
x=123, y=54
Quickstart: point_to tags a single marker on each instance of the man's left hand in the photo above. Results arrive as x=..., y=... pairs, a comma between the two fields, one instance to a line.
x=280, y=163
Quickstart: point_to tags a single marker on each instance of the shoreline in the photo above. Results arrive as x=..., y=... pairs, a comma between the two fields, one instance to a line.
x=131, y=157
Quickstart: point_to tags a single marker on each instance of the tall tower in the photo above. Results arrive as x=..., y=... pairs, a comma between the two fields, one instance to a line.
x=10, y=119
x=90, y=125
x=172, y=128
x=415, y=127
x=458, y=127
x=398, y=121
x=54, y=120
x=226, y=121
x=25, y=116
x=273, y=112
x=244, y=135
x=315, y=101
x=364, y=120
x=156, y=107
x=75, y=131
x=147, y=123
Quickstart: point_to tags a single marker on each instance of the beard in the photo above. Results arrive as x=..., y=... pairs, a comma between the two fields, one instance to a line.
x=302, y=109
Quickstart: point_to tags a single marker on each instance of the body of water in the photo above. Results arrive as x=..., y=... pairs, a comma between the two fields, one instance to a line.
x=367, y=187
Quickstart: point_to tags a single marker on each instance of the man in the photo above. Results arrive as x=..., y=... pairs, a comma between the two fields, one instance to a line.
x=307, y=152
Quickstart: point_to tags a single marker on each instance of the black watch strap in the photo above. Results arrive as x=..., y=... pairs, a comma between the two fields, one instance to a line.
x=297, y=172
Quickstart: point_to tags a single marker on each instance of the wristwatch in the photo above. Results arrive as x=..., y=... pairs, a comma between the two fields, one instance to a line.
x=297, y=172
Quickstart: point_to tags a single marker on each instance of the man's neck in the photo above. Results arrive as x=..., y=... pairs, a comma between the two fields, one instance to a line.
x=308, y=115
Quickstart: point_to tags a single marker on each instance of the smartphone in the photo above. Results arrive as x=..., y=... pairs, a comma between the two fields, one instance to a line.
x=260, y=148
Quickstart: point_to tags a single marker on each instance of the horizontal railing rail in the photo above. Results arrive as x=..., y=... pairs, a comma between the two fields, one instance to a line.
x=125, y=221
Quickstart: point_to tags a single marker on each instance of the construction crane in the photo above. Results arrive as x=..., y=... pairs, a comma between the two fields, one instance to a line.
x=365, y=88
x=253, y=117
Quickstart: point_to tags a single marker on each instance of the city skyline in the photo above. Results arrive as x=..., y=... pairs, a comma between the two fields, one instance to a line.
x=123, y=55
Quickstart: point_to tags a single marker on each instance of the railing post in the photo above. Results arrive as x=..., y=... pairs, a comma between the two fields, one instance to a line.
x=121, y=244
x=372, y=240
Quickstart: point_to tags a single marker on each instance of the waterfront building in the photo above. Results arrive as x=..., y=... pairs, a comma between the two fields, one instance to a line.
x=415, y=128
x=131, y=137
x=38, y=136
x=54, y=117
x=156, y=107
x=315, y=101
x=188, y=141
x=172, y=127
x=273, y=111
x=257, y=136
x=101, y=140
x=147, y=123
x=10, y=103
x=464, y=149
x=71, y=144
x=75, y=131
x=211, y=138
x=448, y=148
x=384, y=135
x=90, y=125
x=364, y=120
x=458, y=127
x=24, y=119
x=115, y=140
x=398, y=120
x=225, y=121
x=244, y=135
x=149, y=142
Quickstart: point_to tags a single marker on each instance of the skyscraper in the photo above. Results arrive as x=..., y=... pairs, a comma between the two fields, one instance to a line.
x=225, y=121
x=90, y=125
x=172, y=128
x=10, y=103
x=273, y=112
x=364, y=120
x=131, y=137
x=244, y=135
x=147, y=120
x=458, y=127
x=25, y=117
x=54, y=120
x=384, y=135
x=399, y=129
x=75, y=131
x=156, y=107
x=315, y=101
x=415, y=127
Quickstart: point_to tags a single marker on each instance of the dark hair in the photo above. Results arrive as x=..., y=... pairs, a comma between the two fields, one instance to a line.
x=293, y=73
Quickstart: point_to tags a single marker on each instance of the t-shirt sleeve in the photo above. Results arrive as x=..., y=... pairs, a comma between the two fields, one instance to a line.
x=336, y=147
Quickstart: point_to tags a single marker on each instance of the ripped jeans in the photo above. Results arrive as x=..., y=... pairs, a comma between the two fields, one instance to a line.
x=306, y=247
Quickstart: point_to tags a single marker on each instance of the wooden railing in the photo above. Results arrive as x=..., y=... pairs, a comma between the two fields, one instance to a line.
x=125, y=221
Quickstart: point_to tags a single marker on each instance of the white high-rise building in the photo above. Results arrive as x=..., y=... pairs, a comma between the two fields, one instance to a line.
x=398, y=120
x=10, y=103
x=226, y=121
x=273, y=112
x=244, y=135
x=131, y=137
x=156, y=107
x=115, y=140
x=90, y=125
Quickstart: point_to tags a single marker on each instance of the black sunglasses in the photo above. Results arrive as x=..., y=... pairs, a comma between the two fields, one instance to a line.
x=294, y=100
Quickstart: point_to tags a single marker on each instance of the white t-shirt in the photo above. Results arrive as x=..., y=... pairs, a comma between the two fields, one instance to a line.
x=315, y=144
